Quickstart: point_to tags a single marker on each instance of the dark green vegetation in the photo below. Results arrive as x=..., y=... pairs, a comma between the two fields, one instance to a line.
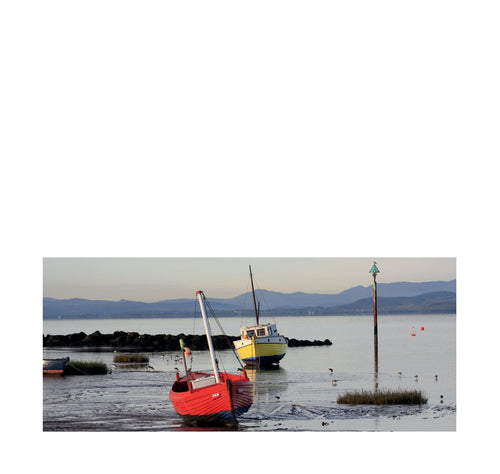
x=383, y=397
x=131, y=358
x=77, y=367
x=146, y=342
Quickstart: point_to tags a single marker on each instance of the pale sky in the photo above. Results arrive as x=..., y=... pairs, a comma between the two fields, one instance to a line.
x=154, y=279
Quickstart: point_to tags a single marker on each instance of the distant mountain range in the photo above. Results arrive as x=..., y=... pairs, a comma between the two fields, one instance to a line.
x=401, y=297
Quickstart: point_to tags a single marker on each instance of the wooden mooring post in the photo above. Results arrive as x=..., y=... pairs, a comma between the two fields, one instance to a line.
x=374, y=270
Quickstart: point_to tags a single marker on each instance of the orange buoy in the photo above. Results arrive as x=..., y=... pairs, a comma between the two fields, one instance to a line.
x=422, y=328
x=413, y=334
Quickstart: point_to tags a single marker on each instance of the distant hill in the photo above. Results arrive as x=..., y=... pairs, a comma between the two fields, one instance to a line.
x=434, y=302
x=273, y=299
x=392, y=297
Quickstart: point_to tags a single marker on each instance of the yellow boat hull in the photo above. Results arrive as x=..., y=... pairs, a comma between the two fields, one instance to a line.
x=261, y=352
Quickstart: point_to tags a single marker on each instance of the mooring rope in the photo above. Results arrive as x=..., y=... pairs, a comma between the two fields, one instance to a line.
x=230, y=343
x=76, y=368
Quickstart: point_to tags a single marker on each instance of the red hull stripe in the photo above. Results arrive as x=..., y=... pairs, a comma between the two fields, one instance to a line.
x=212, y=403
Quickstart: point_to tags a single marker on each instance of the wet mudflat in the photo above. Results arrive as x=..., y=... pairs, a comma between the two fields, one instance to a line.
x=299, y=396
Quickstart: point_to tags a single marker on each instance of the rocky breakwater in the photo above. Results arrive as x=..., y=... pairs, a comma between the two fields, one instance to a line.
x=158, y=342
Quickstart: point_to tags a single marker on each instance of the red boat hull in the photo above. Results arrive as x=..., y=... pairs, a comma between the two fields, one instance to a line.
x=215, y=404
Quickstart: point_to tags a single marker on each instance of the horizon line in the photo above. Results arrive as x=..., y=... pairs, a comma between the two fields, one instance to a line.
x=247, y=292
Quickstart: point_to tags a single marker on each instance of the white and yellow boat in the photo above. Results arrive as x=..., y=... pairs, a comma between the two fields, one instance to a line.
x=260, y=345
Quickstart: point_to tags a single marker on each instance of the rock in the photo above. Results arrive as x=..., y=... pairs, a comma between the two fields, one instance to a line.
x=157, y=342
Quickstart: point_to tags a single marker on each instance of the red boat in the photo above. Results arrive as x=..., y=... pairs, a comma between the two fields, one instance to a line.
x=217, y=398
x=209, y=403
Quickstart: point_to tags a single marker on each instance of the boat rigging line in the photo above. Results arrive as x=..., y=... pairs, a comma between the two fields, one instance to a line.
x=229, y=342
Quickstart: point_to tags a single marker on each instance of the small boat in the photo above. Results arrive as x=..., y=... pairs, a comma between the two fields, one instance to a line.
x=54, y=366
x=206, y=398
x=260, y=345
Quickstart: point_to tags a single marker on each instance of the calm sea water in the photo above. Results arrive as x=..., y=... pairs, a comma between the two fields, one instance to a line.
x=299, y=396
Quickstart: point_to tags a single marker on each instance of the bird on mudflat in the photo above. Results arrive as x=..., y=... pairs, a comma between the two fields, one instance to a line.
x=331, y=371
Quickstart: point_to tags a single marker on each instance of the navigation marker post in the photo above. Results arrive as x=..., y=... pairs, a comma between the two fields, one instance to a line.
x=374, y=270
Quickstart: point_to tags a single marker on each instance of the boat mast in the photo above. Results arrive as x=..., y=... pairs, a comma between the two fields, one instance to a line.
x=183, y=350
x=200, y=296
x=253, y=293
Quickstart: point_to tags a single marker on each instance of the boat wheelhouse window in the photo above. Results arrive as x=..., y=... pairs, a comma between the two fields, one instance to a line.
x=250, y=333
x=261, y=332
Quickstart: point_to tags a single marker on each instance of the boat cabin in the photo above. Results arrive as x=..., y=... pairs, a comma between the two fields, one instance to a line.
x=261, y=330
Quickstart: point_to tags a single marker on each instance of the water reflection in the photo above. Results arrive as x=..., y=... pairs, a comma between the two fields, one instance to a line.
x=268, y=383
